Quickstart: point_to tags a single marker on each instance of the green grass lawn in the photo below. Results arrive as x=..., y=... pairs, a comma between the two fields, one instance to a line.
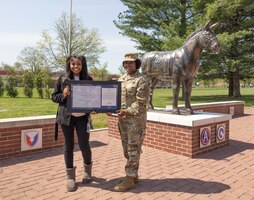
x=22, y=106
x=163, y=97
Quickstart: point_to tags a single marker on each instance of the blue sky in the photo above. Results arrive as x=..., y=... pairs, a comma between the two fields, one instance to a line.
x=22, y=22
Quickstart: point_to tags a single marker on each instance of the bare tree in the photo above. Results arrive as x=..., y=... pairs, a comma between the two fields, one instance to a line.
x=83, y=42
x=31, y=58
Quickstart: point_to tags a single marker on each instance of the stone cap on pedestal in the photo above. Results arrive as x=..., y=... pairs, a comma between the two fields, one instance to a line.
x=27, y=121
x=210, y=104
x=196, y=119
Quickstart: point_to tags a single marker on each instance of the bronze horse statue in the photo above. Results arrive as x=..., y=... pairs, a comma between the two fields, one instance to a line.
x=180, y=65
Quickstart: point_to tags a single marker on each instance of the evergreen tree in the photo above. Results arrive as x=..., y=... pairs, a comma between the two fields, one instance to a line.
x=156, y=24
x=160, y=25
x=164, y=25
x=236, y=60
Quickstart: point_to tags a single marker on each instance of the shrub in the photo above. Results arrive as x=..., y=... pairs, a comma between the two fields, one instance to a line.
x=11, y=86
x=27, y=80
x=1, y=86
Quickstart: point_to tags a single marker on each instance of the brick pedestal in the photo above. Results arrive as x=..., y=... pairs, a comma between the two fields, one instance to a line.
x=179, y=134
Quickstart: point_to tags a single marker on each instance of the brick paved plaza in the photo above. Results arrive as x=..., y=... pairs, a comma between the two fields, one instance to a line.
x=227, y=173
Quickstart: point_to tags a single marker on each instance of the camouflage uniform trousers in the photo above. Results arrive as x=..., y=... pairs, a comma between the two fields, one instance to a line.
x=132, y=135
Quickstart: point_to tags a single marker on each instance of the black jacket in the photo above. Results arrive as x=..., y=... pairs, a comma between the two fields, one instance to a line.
x=63, y=116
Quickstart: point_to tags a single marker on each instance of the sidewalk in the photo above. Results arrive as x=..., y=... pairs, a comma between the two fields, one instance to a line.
x=226, y=174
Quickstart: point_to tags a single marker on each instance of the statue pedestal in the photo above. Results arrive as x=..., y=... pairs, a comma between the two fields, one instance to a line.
x=235, y=108
x=187, y=135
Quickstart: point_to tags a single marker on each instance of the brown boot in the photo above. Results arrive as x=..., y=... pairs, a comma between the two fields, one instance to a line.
x=87, y=174
x=127, y=183
x=71, y=176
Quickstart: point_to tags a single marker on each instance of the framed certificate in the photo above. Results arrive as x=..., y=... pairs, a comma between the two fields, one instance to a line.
x=98, y=96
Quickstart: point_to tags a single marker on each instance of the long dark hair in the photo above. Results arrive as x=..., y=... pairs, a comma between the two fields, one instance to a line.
x=83, y=75
x=138, y=63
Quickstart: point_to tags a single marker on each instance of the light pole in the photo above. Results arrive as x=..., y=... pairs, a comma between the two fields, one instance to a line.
x=70, y=26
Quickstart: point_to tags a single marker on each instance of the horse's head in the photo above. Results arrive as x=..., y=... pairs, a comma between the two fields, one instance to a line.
x=207, y=38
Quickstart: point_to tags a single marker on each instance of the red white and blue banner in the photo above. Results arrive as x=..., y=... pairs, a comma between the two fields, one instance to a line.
x=220, y=133
x=205, y=136
x=31, y=139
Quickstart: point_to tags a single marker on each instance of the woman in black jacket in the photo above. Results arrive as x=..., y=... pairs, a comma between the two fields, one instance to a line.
x=76, y=69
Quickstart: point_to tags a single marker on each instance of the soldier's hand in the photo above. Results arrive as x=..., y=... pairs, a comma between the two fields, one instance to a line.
x=121, y=113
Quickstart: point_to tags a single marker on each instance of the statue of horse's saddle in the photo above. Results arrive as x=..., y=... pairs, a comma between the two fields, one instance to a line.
x=159, y=64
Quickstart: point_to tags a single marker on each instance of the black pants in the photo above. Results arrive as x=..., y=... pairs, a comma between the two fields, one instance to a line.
x=80, y=123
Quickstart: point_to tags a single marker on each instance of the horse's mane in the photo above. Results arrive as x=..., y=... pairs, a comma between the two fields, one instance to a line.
x=192, y=34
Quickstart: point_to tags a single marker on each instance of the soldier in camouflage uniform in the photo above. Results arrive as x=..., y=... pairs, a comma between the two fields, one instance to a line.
x=132, y=118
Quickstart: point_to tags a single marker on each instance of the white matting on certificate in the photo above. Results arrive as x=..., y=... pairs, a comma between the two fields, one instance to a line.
x=108, y=96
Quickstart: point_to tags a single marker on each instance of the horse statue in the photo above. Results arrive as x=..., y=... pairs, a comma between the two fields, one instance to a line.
x=180, y=65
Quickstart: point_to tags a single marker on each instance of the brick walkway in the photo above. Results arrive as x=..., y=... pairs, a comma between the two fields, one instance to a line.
x=226, y=174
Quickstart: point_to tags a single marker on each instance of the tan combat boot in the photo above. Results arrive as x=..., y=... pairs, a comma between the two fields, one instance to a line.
x=87, y=174
x=127, y=183
x=71, y=176
x=136, y=179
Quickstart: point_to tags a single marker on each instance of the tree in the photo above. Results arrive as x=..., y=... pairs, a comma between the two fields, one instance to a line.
x=158, y=24
x=165, y=25
x=11, y=83
x=83, y=42
x=28, y=83
x=1, y=86
x=42, y=80
x=31, y=58
x=236, y=60
x=6, y=67
x=39, y=83
x=100, y=73
x=46, y=81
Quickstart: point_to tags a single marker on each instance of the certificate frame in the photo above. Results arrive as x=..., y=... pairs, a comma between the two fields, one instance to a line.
x=99, y=96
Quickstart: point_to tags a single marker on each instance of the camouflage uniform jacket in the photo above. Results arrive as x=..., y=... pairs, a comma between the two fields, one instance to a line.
x=134, y=97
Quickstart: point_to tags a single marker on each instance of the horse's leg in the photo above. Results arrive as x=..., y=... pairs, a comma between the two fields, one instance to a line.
x=153, y=83
x=187, y=94
x=176, y=90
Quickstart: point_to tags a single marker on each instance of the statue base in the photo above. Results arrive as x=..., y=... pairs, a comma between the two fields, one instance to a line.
x=235, y=108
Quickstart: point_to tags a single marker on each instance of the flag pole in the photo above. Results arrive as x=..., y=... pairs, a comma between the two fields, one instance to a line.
x=70, y=27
